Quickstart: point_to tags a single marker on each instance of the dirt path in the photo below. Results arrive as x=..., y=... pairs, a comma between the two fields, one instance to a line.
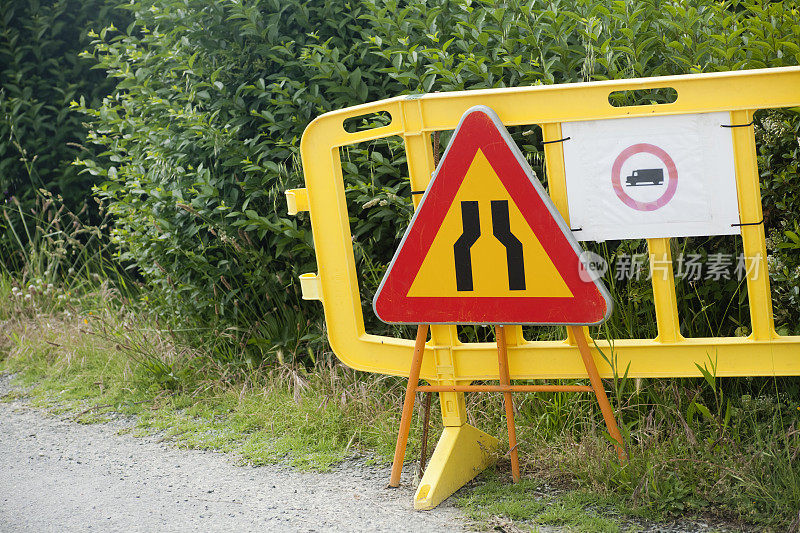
x=57, y=475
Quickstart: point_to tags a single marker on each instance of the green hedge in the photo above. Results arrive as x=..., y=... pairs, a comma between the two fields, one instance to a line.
x=201, y=140
x=40, y=73
x=201, y=134
x=457, y=45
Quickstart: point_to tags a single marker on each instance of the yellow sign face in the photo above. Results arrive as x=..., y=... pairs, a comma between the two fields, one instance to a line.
x=437, y=276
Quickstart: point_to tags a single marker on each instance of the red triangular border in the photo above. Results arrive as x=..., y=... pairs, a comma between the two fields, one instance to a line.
x=480, y=128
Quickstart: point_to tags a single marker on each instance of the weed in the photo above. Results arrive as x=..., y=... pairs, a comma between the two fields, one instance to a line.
x=496, y=501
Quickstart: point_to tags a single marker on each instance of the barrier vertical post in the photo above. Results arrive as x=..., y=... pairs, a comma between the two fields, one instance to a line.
x=753, y=239
x=663, y=280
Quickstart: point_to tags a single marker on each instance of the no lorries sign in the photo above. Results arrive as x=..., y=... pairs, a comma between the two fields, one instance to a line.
x=634, y=178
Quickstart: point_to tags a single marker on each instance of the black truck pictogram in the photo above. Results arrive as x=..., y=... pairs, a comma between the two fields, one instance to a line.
x=649, y=176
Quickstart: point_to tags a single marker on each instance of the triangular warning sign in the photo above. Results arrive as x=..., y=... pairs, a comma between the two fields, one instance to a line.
x=487, y=245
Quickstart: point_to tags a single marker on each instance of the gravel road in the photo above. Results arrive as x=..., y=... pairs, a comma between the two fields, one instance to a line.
x=60, y=476
x=57, y=475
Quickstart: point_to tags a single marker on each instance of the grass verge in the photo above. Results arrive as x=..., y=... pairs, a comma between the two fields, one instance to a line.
x=313, y=420
x=724, y=450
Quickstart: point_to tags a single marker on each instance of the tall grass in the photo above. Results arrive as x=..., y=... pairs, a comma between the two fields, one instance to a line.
x=727, y=448
x=724, y=448
x=51, y=254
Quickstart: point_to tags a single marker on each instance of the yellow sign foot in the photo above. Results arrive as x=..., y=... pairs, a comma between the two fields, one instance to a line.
x=462, y=453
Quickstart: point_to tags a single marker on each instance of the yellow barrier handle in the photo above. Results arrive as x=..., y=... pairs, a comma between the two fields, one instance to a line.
x=330, y=126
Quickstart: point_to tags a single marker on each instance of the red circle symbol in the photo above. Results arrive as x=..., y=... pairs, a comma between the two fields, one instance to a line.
x=672, y=172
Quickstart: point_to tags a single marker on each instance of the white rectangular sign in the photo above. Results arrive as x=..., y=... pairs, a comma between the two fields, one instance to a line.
x=666, y=176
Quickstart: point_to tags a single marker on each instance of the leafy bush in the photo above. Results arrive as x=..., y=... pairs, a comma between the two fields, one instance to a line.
x=201, y=139
x=779, y=162
x=459, y=45
x=201, y=135
x=466, y=44
x=40, y=73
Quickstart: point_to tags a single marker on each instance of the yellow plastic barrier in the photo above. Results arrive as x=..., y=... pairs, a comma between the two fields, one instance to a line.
x=447, y=360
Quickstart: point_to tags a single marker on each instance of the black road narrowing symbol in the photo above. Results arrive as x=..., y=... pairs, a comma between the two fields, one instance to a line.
x=501, y=229
x=471, y=223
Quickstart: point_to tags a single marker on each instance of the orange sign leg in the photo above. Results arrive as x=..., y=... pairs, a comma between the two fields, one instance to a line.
x=599, y=391
x=408, y=405
x=507, y=389
x=508, y=400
